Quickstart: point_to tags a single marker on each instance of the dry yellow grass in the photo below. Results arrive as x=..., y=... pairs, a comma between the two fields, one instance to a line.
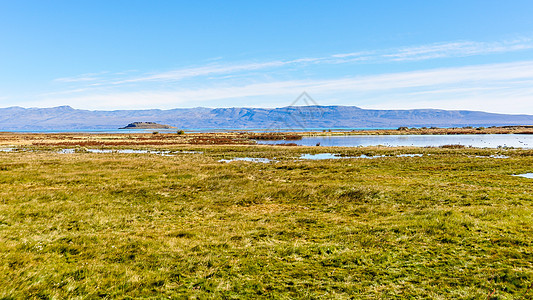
x=112, y=225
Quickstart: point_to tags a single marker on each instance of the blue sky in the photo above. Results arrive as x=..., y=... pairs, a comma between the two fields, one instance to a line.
x=108, y=55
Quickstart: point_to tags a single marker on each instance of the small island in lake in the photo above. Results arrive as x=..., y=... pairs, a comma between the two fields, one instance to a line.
x=147, y=125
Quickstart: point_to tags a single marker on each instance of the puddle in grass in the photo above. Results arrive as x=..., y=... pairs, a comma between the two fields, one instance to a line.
x=250, y=159
x=410, y=155
x=320, y=156
x=492, y=156
x=121, y=151
x=127, y=151
x=338, y=156
x=525, y=175
x=15, y=150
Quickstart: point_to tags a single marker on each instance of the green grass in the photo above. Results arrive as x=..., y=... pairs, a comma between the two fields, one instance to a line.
x=88, y=226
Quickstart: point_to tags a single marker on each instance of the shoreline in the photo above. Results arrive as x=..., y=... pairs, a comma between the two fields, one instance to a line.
x=300, y=139
x=518, y=129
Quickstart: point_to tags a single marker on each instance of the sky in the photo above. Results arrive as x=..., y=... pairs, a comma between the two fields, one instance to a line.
x=130, y=54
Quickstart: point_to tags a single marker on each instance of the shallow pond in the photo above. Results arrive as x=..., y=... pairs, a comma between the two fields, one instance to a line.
x=492, y=156
x=250, y=159
x=474, y=140
x=127, y=151
x=526, y=175
x=318, y=156
x=321, y=156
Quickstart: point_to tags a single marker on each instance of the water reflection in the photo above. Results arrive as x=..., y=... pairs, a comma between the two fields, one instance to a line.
x=250, y=159
x=321, y=156
x=473, y=140
x=526, y=175
x=127, y=151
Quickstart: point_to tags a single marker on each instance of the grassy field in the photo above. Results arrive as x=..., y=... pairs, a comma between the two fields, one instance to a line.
x=453, y=223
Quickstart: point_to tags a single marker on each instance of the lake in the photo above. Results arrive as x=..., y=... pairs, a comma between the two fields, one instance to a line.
x=474, y=140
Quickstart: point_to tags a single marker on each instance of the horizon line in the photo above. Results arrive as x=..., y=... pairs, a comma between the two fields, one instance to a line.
x=252, y=107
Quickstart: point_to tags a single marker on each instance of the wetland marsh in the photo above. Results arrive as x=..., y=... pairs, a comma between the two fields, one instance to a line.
x=409, y=223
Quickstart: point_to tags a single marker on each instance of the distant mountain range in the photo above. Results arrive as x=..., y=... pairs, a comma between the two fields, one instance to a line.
x=293, y=117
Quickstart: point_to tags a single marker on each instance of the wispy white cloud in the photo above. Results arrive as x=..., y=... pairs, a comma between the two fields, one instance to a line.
x=82, y=77
x=405, y=54
x=457, y=49
x=354, y=54
x=177, y=75
x=505, y=87
x=76, y=79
